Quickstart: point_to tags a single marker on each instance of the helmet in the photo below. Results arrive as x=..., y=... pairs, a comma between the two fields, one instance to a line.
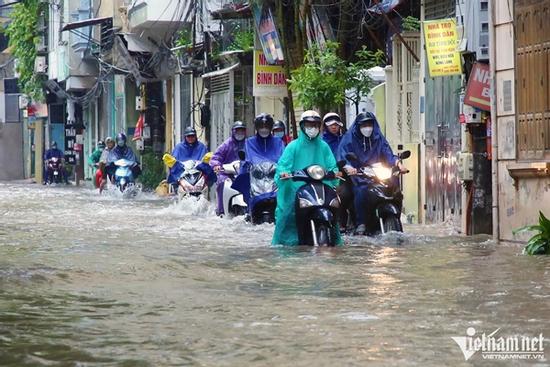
x=109, y=140
x=363, y=117
x=263, y=120
x=311, y=116
x=121, y=137
x=279, y=125
x=189, y=131
x=100, y=144
x=238, y=125
x=332, y=118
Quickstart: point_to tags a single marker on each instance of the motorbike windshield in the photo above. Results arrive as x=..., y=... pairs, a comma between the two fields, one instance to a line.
x=262, y=178
x=123, y=163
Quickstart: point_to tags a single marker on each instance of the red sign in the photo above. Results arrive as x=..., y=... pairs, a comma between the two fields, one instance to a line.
x=478, y=92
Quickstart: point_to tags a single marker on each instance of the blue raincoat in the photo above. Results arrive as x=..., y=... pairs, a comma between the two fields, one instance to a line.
x=124, y=152
x=299, y=154
x=257, y=150
x=184, y=152
x=226, y=153
x=368, y=151
x=53, y=153
x=333, y=141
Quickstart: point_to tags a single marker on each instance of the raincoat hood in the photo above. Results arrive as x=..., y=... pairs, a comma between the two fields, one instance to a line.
x=368, y=150
x=299, y=154
x=227, y=152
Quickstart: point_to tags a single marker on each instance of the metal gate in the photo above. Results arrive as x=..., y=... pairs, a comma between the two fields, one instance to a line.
x=221, y=105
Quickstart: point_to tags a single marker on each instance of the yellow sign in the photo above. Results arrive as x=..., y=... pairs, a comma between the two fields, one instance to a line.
x=441, y=47
x=269, y=80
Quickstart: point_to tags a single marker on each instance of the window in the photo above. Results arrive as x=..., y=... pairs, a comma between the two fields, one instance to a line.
x=484, y=6
x=485, y=27
x=532, y=75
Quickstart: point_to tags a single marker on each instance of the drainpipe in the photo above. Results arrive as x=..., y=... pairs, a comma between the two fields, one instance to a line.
x=494, y=132
x=422, y=122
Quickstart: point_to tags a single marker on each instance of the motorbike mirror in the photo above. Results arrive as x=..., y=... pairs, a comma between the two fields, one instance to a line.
x=406, y=154
x=341, y=164
x=241, y=155
x=351, y=157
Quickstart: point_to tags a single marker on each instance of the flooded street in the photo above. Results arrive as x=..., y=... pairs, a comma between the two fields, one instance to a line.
x=96, y=281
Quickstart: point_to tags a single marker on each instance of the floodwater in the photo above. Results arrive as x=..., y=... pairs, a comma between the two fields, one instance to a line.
x=99, y=281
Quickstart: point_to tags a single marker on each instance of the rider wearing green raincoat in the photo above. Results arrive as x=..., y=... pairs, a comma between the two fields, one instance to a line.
x=308, y=149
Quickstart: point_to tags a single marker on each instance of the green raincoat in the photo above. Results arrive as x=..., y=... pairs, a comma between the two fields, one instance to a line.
x=299, y=154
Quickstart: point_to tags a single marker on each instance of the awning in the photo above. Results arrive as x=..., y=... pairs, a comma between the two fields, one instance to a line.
x=232, y=11
x=221, y=71
x=85, y=23
x=139, y=44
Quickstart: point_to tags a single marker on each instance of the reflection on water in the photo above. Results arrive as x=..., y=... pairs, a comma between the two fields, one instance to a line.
x=88, y=280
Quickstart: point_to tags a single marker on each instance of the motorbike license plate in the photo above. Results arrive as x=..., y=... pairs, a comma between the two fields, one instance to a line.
x=55, y=173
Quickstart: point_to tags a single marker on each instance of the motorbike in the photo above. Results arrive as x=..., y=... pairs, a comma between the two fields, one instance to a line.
x=233, y=201
x=384, y=195
x=263, y=192
x=317, y=206
x=192, y=181
x=55, y=170
x=123, y=178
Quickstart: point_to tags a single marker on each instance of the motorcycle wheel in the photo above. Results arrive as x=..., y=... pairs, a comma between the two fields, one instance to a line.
x=237, y=210
x=392, y=224
x=325, y=236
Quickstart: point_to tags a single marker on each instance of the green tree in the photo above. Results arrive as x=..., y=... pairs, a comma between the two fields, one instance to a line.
x=24, y=36
x=359, y=83
x=321, y=81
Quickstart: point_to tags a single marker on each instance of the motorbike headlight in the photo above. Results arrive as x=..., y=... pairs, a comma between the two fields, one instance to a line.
x=335, y=203
x=382, y=172
x=304, y=203
x=316, y=172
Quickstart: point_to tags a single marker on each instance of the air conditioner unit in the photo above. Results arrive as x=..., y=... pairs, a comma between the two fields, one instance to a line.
x=40, y=65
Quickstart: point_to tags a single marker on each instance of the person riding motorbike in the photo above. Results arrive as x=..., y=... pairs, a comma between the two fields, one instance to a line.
x=189, y=149
x=367, y=142
x=109, y=145
x=122, y=151
x=53, y=152
x=227, y=153
x=279, y=131
x=308, y=149
x=93, y=161
x=333, y=131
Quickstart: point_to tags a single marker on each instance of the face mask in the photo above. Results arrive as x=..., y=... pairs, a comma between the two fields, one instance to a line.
x=264, y=132
x=367, y=131
x=120, y=143
x=312, y=132
x=240, y=136
x=279, y=134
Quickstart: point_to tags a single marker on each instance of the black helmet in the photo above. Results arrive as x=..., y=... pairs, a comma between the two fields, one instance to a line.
x=121, y=137
x=263, y=119
x=100, y=144
x=189, y=131
x=279, y=125
x=238, y=125
x=363, y=117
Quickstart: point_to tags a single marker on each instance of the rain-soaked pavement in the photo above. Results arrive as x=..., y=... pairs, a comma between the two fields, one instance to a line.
x=98, y=281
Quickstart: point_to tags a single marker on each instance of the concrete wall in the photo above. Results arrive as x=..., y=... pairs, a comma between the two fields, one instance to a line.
x=11, y=151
